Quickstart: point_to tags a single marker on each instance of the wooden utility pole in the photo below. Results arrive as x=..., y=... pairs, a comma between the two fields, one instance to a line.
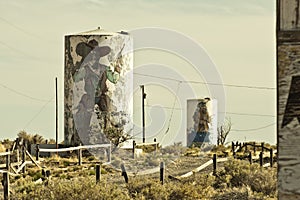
x=143, y=112
x=288, y=98
x=56, y=115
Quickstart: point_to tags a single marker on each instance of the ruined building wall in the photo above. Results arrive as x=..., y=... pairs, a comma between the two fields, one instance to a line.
x=288, y=98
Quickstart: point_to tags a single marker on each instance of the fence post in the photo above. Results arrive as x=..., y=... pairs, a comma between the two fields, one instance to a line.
x=246, y=146
x=233, y=150
x=155, y=144
x=98, y=173
x=162, y=170
x=6, y=185
x=262, y=147
x=79, y=156
x=133, y=149
x=24, y=158
x=261, y=159
x=37, y=152
x=7, y=160
x=109, y=153
x=124, y=173
x=18, y=156
x=214, y=164
x=250, y=157
x=271, y=157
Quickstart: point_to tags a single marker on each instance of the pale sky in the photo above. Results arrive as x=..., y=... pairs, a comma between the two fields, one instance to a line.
x=238, y=36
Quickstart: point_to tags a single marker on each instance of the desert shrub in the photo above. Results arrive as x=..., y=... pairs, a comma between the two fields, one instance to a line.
x=237, y=174
x=74, y=189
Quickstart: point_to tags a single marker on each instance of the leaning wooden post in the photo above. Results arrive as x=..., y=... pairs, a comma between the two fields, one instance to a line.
x=162, y=170
x=261, y=159
x=133, y=149
x=79, y=156
x=250, y=157
x=6, y=185
x=24, y=158
x=271, y=157
x=37, y=152
x=124, y=173
x=7, y=159
x=98, y=173
x=214, y=164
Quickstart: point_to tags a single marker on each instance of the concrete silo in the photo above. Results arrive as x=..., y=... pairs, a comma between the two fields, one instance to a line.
x=97, y=86
x=202, y=121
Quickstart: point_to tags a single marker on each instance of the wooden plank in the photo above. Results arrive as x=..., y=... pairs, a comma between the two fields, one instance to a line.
x=5, y=153
x=75, y=148
x=208, y=163
x=33, y=161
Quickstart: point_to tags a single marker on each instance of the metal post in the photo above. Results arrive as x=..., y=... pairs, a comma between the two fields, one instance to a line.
x=56, y=115
x=143, y=112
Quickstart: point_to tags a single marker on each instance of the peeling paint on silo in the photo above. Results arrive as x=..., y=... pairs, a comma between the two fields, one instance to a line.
x=98, y=85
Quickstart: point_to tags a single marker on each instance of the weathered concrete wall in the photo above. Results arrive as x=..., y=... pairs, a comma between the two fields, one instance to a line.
x=288, y=99
x=288, y=118
x=98, y=86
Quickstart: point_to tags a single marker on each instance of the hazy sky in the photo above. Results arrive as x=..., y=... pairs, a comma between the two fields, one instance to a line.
x=238, y=35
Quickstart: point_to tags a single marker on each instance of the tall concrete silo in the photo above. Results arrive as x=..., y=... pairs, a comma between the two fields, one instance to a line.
x=97, y=86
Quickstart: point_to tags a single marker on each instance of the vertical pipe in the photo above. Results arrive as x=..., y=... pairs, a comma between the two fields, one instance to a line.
x=56, y=115
x=143, y=112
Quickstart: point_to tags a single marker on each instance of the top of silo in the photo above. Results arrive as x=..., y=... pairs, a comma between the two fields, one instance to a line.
x=98, y=31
